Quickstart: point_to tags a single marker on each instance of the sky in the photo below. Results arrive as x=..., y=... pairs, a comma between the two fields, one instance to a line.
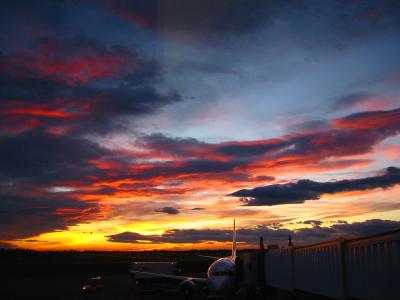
x=141, y=125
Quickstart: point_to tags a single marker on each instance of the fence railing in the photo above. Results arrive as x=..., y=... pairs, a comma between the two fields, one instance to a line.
x=364, y=268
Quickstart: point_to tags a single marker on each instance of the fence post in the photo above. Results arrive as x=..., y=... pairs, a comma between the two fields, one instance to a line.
x=292, y=275
x=342, y=257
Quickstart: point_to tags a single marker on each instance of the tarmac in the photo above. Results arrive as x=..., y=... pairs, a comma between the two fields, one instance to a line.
x=114, y=287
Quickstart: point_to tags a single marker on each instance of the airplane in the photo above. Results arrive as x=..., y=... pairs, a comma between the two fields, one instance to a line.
x=220, y=280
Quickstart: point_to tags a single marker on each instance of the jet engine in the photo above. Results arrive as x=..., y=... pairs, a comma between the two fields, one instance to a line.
x=187, y=288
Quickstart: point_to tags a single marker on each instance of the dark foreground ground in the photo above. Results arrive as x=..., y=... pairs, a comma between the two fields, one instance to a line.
x=115, y=287
x=61, y=275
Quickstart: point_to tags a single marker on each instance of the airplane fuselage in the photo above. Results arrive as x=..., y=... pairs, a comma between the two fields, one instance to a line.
x=222, y=276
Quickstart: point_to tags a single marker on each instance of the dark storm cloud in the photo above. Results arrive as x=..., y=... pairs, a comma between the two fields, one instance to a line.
x=270, y=234
x=109, y=78
x=373, y=226
x=175, y=236
x=131, y=237
x=195, y=235
x=264, y=178
x=334, y=143
x=100, y=191
x=98, y=84
x=167, y=210
x=208, y=166
x=198, y=167
x=303, y=190
x=37, y=157
x=175, y=146
x=23, y=216
x=251, y=150
x=117, y=104
x=128, y=101
x=71, y=60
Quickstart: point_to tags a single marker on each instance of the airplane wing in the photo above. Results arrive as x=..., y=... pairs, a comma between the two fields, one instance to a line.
x=154, y=276
x=209, y=256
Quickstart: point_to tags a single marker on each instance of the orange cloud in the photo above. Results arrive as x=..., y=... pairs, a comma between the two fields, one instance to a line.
x=369, y=120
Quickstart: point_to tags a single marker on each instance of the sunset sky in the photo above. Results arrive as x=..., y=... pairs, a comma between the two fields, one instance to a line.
x=135, y=125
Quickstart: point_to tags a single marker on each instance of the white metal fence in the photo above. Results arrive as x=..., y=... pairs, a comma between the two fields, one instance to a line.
x=365, y=268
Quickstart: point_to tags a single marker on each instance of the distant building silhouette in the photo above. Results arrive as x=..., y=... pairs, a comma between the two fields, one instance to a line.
x=290, y=243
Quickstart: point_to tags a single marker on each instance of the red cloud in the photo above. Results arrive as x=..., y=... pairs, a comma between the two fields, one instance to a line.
x=19, y=116
x=58, y=108
x=78, y=60
x=177, y=168
x=204, y=165
x=17, y=124
x=58, y=113
x=370, y=120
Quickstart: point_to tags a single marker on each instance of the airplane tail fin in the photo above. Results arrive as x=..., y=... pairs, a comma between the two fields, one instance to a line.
x=234, y=241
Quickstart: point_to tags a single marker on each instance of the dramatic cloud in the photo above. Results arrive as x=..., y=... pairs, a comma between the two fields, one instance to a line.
x=124, y=111
x=76, y=84
x=264, y=178
x=380, y=122
x=83, y=108
x=22, y=217
x=36, y=157
x=187, y=159
x=175, y=147
x=76, y=60
x=38, y=161
x=271, y=235
x=303, y=190
x=167, y=210
x=351, y=135
x=131, y=237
